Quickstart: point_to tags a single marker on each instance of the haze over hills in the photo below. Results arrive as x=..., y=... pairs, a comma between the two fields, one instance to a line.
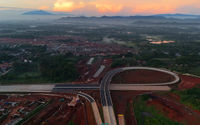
x=42, y=12
x=37, y=12
x=13, y=13
x=158, y=16
x=178, y=15
x=113, y=18
x=16, y=14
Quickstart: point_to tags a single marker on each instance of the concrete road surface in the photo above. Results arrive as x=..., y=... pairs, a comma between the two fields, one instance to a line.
x=26, y=88
x=96, y=113
x=106, y=115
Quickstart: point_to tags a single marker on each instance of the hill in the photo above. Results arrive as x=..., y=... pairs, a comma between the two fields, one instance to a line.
x=177, y=15
x=37, y=12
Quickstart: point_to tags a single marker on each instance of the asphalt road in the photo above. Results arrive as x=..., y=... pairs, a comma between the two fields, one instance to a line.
x=65, y=87
x=88, y=97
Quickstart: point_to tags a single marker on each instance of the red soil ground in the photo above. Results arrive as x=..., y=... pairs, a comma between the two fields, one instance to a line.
x=21, y=100
x=59, y=113
x=87, y=71
x=188, y=82
x=3, y=96
x=123, y=104
x=142, y=76
x=174, y=110
x=56, y=113
x=90, y=114
x=80, y=116
x=130, y=115
x=172, y=114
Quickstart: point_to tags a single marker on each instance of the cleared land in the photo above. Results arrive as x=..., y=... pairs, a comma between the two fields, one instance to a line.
x=142, y=76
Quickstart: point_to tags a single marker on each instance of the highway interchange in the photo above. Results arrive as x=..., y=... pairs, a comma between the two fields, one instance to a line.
x=104, y=88
x=106, y=100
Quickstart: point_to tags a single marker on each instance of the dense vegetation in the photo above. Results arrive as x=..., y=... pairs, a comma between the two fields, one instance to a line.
x=190, y=97
x=38, y=66
x=119, y=62
x=58, y=68
x=180, y=57
x=148, y=115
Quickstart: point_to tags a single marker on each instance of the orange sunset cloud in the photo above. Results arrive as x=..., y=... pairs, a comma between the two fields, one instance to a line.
x=160, y=6
x=123, y=7
x=102, y=8
x=67, y=5
x=44, y=8
x=107, y=6
x=113, y=6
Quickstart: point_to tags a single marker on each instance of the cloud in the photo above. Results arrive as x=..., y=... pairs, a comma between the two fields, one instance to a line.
x=125, y=7
x=117, y=6
x=160, y=6
x=104, y=6
x=43, y=7
x=153, y=8
x=67, y=5
x=99, y=5
x=189, y=9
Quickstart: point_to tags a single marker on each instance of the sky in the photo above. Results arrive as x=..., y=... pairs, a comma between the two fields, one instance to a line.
x=109, y=7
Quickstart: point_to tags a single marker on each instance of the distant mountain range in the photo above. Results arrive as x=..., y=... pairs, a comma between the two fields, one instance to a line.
x=178, y=15
x=157, y=16
x=11, y=12
x=114, y=17
x=175, y=15
x=37, y=12
x=42, y=12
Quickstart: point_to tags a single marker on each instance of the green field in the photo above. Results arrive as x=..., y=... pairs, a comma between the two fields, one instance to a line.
x=195, y=71
x=148, y=115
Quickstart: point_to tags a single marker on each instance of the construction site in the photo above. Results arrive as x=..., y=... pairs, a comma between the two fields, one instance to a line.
x=65, y=108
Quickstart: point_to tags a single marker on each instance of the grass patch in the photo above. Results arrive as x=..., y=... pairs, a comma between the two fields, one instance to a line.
x=148, y=115
x=27, y=77
x=195, y=71
x=71, y=123
x=190, y=97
